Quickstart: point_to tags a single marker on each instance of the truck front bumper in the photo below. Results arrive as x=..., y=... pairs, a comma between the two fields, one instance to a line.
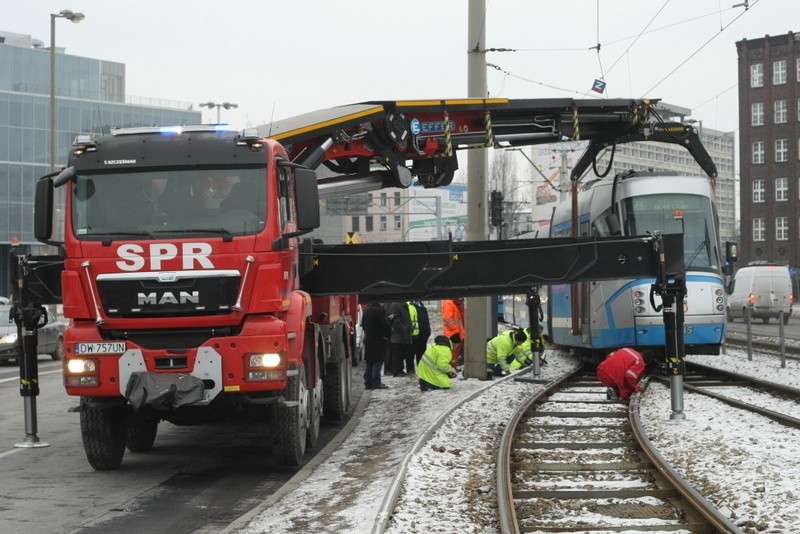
x=197, y=388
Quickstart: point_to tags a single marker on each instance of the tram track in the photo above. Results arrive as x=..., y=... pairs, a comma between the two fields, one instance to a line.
x=572, y=461
x=779, y=402
x=765, y=345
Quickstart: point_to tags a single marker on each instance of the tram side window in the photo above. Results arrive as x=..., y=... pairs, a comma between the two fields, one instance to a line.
x=606, y=225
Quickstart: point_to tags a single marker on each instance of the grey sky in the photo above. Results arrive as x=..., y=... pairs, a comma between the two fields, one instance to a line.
x=286, y=58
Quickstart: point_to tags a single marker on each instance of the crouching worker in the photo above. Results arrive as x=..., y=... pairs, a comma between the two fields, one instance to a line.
x=524, y=353
x=434, y=370
x=500, y=352
x=622, y=370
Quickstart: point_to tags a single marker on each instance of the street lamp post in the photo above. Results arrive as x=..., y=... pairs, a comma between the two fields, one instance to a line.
x=226, y=105
x=72, y=17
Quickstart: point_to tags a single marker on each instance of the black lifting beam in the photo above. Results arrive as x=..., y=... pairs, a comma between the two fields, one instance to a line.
x=447, y=269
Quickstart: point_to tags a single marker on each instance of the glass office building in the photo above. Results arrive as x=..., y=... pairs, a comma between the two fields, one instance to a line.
x=90, y=99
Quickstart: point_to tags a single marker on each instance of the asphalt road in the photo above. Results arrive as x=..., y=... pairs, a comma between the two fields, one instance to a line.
x=759, y=328
x=196, y=478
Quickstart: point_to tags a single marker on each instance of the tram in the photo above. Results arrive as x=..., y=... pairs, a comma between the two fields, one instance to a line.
x=604, y=315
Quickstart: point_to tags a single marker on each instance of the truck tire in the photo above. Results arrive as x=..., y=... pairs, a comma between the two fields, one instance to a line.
x=103, y=430
x=141, y=434
x=292, y=420
x=314, y=413
x=730, y=315
x=337, y=390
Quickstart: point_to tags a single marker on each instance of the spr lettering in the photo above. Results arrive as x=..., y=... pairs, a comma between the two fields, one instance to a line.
x=161, y=255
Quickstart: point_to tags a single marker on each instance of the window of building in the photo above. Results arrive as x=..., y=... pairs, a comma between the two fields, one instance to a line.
x=383, y=223
x=781, y=189
x=356, y=224
x=758, y=190
x=781, y=111
x=759, y=229
x=757, y=114
x=397, y=223
x=384, y=200
x=757, y=75
x=368, y=226
x=397, y=198
x=758, y=152
x=781, y=228
x=798, y=69
x=779, y=72
x=781, y=150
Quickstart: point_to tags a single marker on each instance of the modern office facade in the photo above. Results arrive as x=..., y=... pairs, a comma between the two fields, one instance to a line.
x=769, y=134
x=90, y=99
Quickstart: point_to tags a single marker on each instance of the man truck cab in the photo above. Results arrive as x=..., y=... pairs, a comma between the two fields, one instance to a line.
x=765, y=289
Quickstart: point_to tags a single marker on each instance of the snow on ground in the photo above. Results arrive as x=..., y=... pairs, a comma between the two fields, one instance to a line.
x=745, y=464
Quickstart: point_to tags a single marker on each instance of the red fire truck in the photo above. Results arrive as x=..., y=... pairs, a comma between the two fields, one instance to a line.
x=183, y=267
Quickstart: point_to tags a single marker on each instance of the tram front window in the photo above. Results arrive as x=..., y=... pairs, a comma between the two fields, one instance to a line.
x=651, y=213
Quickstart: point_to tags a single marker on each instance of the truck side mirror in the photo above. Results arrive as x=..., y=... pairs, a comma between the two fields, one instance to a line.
x=306, y=194
x=43, y=211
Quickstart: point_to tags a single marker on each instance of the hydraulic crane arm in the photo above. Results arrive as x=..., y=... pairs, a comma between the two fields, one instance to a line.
x=664, y=132
x=388, y=143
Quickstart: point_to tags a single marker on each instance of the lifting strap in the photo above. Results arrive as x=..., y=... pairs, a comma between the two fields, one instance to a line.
x=576, y=128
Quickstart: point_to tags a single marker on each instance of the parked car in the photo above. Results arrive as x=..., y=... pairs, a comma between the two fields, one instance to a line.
x=765, y=289
x=51, y=336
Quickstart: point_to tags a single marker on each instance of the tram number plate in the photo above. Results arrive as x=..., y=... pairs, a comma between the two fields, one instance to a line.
x=117, y=347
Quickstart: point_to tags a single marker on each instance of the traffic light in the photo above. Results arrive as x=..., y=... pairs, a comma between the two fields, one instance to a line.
x=496, y=207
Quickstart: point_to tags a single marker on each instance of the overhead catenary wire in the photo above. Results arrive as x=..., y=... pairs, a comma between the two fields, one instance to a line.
x=682, y=63
x=626, y=53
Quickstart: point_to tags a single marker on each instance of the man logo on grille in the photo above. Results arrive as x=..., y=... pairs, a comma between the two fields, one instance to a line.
x=154, y=299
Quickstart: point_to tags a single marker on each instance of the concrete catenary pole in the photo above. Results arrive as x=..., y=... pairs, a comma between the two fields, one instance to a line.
x=476, y=308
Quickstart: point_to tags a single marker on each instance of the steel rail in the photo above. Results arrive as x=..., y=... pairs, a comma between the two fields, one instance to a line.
x=709, y=512
x=691, y=499
x=505, y=496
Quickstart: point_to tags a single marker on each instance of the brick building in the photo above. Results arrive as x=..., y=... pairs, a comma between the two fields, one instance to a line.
x=769, y=135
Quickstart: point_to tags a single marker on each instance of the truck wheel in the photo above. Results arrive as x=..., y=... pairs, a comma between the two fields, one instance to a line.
x=337, y=390
x=730, y=315
x=103, y=431
x=314, y=413
x=292, y=420
x=141, y=434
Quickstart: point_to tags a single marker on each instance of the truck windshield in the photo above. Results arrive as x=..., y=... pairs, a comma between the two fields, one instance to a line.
x=650, y=213
x=163, y=204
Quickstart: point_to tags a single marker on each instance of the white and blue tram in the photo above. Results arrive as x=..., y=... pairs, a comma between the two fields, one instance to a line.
x=603, y=315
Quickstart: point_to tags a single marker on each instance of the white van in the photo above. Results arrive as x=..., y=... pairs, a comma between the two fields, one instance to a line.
x=765, y=289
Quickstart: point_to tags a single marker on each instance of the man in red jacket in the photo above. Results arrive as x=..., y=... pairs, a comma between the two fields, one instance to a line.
x=622, y=370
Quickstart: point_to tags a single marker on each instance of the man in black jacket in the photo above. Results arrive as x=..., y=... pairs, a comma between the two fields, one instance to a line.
x=400, y=343
x=376, y=338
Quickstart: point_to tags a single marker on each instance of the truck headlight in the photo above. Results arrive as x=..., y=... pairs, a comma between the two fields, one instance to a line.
x=267, y=359
x=81, y=365
x=81, y=372
x=263, y=366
